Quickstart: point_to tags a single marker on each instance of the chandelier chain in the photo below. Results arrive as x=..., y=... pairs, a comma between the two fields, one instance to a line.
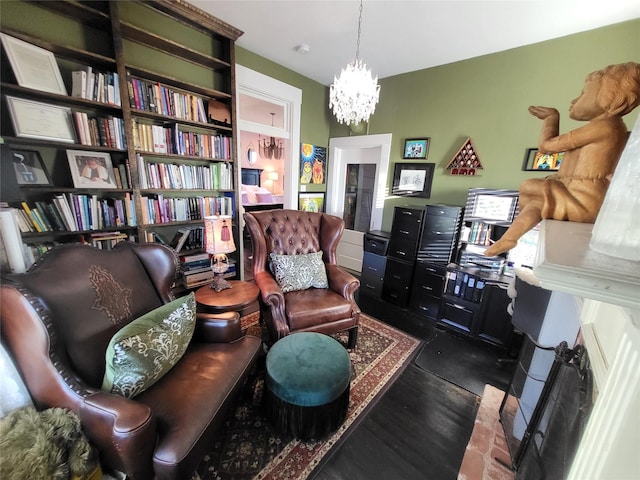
x=359, y=32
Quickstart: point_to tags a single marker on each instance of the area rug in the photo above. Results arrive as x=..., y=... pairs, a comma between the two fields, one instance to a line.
x=252, y=449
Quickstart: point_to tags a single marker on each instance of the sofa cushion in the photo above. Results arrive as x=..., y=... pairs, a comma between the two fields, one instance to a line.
x=142, y=352
x=299, y=272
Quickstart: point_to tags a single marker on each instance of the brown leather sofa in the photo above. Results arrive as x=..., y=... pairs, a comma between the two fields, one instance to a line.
x=324, y=310
x=57, y=320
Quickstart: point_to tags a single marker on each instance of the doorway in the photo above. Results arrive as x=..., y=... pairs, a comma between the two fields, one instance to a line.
x=270, y=108
x=357, y=190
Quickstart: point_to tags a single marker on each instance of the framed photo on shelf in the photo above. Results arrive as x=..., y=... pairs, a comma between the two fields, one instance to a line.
x=537, y=161
x=311, y=201
x=417, y=148
x=91, y=169
x=33, y=67
x=41, y=120
x=413, y=179
x=29, y=168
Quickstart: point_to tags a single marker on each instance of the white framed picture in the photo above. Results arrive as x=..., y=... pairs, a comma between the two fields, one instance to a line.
x=91, y=169
x=34, y=67
x=41, y=120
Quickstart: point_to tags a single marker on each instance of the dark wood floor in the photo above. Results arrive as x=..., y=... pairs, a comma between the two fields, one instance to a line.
x=420, y=427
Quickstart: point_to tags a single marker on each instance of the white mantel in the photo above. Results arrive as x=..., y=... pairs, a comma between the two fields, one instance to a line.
x=609, y=289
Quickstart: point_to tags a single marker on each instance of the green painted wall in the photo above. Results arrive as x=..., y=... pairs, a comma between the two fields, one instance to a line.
x=485, y=98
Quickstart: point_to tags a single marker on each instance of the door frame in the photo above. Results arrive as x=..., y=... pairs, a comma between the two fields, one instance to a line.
x=350, y=249
x=257, y=85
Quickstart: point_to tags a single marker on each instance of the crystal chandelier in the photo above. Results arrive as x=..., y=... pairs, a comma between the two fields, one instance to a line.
x=354, y=95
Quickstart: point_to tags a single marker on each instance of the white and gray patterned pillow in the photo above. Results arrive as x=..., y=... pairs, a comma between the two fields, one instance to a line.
x=143, y=351
x=299, y=272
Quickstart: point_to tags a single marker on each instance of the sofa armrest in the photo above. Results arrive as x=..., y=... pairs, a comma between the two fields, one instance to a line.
x=123, y=430
x=217, y=327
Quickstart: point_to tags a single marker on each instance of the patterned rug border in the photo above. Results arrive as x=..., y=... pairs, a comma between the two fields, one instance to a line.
x=365, y=390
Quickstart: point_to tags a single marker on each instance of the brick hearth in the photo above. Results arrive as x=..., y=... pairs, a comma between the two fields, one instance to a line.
x=487, y=452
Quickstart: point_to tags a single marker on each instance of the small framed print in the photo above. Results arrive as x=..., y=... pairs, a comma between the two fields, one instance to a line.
x=91, y=169
x=34, y=67
x=416, y=148
x=311, y=202
x=41, y=120
x=413, y=179
x=545, y=162
x=29, y=168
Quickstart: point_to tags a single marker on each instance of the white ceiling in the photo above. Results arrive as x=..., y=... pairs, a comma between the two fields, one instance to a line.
x=400, y=36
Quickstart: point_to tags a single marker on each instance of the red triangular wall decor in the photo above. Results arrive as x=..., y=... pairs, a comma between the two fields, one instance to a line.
x=465, y=161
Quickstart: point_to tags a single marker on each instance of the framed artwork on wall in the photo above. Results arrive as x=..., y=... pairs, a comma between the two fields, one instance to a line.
x=416, y=148
x=413, y=179
x=311, y=202
x=538, y=161
x=91, y=169
x=313, y=164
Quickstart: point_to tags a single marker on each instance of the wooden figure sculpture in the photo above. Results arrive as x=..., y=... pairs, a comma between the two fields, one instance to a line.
x=577, y=191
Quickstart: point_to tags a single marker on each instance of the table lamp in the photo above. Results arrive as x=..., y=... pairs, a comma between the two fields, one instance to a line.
x=219, y=242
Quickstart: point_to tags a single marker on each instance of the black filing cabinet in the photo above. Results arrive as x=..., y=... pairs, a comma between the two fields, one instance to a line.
x=403, y=246
x=428, y=283
x=374, y=261
x=405, y=233
x=436, y=249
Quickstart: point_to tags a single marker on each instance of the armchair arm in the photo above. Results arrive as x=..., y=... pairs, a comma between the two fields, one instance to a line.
x=217, y=327
x=272, y=296
x=342, y=282
x=123, y=430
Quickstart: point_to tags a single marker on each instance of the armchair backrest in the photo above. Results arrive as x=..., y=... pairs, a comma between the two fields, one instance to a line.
x=72, y=301
x=292, y=232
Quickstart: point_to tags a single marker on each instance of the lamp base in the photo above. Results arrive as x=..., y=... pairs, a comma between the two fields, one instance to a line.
x=219, y=283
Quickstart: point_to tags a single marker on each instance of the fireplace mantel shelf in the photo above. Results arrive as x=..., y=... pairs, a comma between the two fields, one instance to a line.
x=565, y=262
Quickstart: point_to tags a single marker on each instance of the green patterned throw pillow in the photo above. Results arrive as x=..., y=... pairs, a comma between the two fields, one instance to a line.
x=142, y=352
x=299, y=272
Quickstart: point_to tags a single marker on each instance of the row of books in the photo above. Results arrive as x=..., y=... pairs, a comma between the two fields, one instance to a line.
x=100, y=131
x=157, y=98
x=76, y=212
x=122, y=174
x=96, y=85
x=158, y=209
x=106, y=240
x=188, y=238
x=214, y=176
x=170, y=139
x=479, y=233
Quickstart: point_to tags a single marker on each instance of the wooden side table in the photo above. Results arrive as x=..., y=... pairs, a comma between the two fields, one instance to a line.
x=235, y=299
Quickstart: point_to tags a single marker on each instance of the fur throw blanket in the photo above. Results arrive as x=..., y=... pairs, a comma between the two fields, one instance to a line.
x=47, y=444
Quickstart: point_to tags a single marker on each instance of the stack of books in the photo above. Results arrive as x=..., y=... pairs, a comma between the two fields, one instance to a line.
x=196, y=270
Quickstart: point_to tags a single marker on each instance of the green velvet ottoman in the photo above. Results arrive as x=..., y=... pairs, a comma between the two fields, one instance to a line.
x=307, y=385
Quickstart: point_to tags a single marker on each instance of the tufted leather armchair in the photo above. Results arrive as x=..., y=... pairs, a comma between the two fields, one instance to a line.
x=57, y=320
x=292, y=232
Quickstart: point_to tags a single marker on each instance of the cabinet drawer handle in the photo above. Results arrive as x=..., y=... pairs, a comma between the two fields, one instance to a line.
x=369, y=286
x=406, y=212
x=432, y=270
x=429, y=289
x=372, y=269
x=459, y=307
x=400, y=253
x=397, y=276
x=404, y=232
